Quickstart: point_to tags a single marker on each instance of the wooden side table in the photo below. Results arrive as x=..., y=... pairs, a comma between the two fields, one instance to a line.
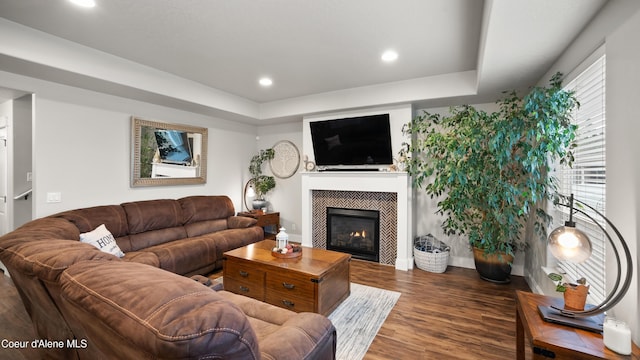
x=549, y=340
x=270, y=222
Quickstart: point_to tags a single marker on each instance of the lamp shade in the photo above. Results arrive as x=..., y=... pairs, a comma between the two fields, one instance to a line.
x=250, y=191
x=567, y=243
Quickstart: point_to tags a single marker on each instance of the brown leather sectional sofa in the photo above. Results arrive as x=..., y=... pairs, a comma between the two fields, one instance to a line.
x=90, y=304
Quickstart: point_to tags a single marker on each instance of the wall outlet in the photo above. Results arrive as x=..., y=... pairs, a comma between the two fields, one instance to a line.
x=54, y=197
x=29, y=176
x=293, y=226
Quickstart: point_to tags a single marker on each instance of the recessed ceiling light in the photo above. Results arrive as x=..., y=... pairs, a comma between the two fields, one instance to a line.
x=84, y=3
x=265, y=81
x=389, y=56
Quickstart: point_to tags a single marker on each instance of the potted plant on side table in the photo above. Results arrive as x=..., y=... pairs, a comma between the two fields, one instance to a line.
x=262, y=184
x=489, y=170
x=575, y=295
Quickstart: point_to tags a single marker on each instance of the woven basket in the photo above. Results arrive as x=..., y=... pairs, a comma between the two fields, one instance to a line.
x=431, y=254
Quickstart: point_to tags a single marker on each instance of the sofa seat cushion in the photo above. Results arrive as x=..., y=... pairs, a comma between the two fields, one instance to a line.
x=143, y=312
x=284, y=334
x=205, y=227
x=142, y=257
x=240, y=222
x=186, y=255
x=156, y=237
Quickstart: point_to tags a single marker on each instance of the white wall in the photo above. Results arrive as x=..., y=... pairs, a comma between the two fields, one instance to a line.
x=285, y=197
x=82, y=147
x=623, y=169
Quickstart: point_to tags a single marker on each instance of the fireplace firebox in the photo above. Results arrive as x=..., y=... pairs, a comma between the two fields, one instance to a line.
x=354, y=231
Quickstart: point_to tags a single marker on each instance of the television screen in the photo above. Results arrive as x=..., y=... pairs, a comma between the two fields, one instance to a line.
x=357, y=142
x=173, y=146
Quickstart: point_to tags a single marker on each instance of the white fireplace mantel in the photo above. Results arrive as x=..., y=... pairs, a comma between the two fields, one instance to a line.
x=368, y=181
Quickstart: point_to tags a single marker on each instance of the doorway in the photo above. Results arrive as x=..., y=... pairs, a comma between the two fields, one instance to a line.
x=16, y=133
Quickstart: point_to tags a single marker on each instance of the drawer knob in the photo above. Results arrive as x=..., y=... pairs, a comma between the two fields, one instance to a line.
x=243, y=273
x=288, y=303
x=288, y=286
x=244, y=289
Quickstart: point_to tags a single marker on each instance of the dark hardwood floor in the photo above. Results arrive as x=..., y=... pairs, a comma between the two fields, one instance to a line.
x=454, y=315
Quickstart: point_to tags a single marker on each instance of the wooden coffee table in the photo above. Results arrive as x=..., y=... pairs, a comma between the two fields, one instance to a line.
x=318, y=281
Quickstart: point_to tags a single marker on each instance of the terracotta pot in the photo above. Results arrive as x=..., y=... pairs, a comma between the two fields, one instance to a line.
x=495, y=267
x=575, y=297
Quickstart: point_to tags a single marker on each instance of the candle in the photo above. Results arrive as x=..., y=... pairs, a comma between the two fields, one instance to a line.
x=616, y=336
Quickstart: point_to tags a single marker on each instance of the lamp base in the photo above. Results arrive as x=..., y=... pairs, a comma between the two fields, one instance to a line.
x=591, y=323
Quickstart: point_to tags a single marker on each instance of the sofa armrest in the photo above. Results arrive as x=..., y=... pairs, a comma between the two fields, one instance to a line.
x=285, y=334
x=239, y=222
x=303, y=336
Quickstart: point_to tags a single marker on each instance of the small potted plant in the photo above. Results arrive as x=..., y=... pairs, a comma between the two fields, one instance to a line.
x=262, y=184
x=575, y=295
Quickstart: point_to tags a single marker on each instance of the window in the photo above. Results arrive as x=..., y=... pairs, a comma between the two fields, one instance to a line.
x=587, y=178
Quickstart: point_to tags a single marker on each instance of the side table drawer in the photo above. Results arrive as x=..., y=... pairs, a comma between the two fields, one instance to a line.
x=290, y=283
x=290, y=302
x=255, y=291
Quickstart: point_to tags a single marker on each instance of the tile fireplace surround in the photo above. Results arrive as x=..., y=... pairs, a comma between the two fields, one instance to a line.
x=353, y=190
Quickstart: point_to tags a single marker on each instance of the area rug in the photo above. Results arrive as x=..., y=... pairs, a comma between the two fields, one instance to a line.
x=359, y=317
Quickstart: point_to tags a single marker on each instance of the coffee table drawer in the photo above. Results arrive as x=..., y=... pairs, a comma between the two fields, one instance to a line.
x=243, y=273
x=289, y=302
x=291, y=283
x=255, y=291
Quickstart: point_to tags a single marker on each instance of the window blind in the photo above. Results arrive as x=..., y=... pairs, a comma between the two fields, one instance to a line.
x=586, y=179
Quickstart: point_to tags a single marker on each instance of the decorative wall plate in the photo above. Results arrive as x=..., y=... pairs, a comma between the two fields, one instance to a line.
x=286, y=159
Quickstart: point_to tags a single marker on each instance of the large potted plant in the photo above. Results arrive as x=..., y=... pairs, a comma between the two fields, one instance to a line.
x=490, y=170
x=262, y=184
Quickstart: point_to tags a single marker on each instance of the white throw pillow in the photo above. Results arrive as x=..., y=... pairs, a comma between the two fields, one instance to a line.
x=103, y=240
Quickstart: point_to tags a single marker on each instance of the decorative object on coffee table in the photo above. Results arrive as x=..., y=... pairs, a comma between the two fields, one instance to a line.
x=286, y=159
x=283, y=249
x=292, y=251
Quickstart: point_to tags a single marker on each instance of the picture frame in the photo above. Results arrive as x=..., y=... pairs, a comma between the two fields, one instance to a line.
x=165, y=154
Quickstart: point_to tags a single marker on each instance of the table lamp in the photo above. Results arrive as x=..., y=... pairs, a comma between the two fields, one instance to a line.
x=567, y=243
x=249, y=192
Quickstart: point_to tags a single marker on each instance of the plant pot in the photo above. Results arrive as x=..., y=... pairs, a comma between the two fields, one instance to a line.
x=258, y=204
x=575, y=297
x=494, y=267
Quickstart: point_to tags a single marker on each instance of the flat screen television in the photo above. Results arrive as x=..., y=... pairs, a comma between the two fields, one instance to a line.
x=174, y=147
x=358, y=143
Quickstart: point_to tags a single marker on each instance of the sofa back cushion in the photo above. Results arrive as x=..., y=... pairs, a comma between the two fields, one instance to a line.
x=150, y=215
x=87, y=219
x=205, y=214
x=153, y=222
x=153, y=313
